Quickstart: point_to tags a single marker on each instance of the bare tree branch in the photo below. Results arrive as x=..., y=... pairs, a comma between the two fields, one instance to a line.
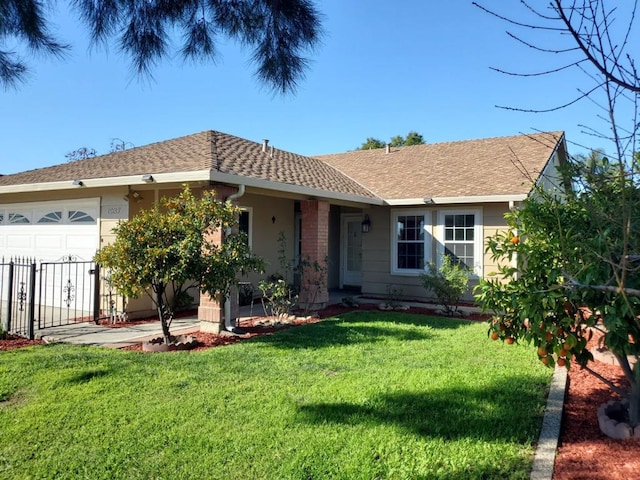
x=560, y=10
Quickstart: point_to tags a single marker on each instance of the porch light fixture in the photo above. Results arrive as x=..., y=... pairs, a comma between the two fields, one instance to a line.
x=147, y=178
x=366, y=224
x=133, y=195
x=429, y=201
x=77, y=183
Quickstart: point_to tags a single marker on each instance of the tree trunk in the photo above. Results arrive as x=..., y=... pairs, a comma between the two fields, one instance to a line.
x=159, y=291
x=634, y=398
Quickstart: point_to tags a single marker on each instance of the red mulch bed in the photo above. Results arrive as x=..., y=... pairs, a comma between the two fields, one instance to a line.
x=11, y=342
x=584, y=453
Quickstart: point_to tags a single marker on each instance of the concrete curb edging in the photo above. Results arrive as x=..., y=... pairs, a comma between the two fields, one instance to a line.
x=545, y=455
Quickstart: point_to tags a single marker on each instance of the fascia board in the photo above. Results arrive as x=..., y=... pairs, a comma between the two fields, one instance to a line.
x=517, y=197
x=130, y=180
x=290, y=188
x=455, y=200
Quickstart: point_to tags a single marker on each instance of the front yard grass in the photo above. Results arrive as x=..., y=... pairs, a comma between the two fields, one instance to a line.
x=368, y=395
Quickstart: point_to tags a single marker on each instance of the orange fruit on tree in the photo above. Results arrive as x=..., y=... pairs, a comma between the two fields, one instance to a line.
x=515, y=240
x=561, y=362
x=549, y=336
x=510, y=340
x=494, y=336
x=545, y=360
x=542, y=351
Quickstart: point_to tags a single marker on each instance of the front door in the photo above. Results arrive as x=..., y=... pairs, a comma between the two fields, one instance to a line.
x=351, y=257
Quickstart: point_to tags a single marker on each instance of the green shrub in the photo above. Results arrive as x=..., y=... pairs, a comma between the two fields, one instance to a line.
x=448, y=283
x=278, y=298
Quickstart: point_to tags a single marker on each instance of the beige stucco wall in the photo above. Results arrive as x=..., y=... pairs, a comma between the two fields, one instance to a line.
x=377, y=250
x=494, y=222
x=269, y=216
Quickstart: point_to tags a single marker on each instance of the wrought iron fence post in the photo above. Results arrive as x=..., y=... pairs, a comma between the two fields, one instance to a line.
x=10, y=296
x=32, y=301
x=96, y=293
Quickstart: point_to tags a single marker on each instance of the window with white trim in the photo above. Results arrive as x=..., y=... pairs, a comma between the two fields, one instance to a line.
x=244, y=223
x=411, y=241
x=460, y=236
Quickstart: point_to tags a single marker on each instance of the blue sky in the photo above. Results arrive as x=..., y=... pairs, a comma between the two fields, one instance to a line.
x=384, y=68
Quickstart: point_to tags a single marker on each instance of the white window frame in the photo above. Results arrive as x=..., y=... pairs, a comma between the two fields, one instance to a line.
x=427, y=227
x=249, y=210
x=478, y=236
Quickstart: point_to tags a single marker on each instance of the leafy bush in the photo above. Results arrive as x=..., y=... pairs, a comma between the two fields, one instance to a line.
x=278, y=298
x=448, y=283
x=170, y=244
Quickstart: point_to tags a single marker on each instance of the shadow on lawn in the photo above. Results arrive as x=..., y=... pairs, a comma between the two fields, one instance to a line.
x=410, y=317
x=339, y=332
x=484, y=414
x=88, y=375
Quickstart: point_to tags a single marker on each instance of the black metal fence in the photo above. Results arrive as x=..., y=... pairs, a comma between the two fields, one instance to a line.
x=37, y=296
x=18, y=290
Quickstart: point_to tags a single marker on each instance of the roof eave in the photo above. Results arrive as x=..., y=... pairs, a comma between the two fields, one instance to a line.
x=293, y=189
x=469, y=199
x=129, y=180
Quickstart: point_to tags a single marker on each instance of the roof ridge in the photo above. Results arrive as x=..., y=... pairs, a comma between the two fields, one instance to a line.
x=211, y=161
x=559, y=133
x=486, y=139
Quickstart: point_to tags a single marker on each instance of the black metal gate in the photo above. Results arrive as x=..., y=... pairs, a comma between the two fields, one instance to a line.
x=53, y=294
x=17, y=301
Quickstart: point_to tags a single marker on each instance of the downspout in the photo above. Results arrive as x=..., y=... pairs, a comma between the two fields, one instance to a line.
x=229, y=323
x=238, y=194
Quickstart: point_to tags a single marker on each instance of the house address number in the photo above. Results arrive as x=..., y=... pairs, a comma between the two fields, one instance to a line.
x=114, y=210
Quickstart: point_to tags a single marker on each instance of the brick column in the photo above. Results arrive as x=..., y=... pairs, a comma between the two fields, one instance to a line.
x=315, y=248
x=210, y=311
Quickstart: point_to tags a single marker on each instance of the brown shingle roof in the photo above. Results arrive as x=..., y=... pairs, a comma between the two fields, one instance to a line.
x=208, y=150
x=190, y=153
x=492, y=166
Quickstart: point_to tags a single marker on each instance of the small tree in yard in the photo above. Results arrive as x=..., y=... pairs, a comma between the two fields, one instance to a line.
x=578, y=249
x=168, y=244
x=578, y=273
x=448, y=283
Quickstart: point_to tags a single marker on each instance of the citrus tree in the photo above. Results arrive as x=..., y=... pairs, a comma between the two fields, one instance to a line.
x=169, y=244
x=569, y=268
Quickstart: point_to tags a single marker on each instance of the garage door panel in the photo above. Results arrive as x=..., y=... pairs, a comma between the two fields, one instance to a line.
x=20, y=242
x=83, y=246
x=50, y=240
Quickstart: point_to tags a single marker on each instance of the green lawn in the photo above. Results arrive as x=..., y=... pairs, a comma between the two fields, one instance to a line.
x=368, y=395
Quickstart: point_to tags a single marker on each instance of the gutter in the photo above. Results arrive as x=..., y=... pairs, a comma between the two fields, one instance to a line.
x=230, y=323
x=396, y=202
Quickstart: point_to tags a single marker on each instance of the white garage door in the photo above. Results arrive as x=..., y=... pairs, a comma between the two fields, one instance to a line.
x=50, y=231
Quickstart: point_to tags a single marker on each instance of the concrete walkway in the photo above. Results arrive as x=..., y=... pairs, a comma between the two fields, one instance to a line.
x=88, y=333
